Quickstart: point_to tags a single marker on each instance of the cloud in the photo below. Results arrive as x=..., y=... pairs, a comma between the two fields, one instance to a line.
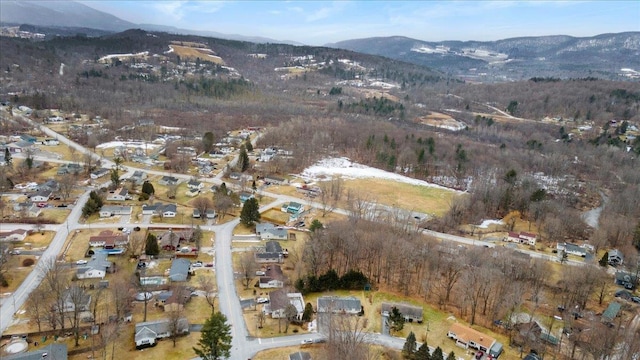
x=173, y=9
x=327, y=11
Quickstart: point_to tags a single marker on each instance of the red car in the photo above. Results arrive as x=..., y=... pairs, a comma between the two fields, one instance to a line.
x=479, y=355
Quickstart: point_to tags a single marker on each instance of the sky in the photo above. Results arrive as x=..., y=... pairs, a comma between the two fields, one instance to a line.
x=322, y=22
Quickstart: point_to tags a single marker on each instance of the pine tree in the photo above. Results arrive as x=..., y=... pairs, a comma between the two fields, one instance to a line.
x=437, y=354
x=422, y=353
x=250, y=212
x=243, y=159
x=451, y=356
x=151, y=246
x=215, y=338
x=409, y=348
x=7, y=156
x=207, y=141
x=604, y=260
x=396, y=320
x=308, y=312
x=147, y=188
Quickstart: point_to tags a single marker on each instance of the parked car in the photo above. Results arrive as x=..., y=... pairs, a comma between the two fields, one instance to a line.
x=307, y=341
x=208, y=265
x=479, y=355
x=636, y=299
x=144, y=296
x=624, y=294
x=81, y=262
x=262, y=300
x=197, y=264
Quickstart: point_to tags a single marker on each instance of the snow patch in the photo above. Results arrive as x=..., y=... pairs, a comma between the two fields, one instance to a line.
x=128, y=144
x=485, y=223
x=344, y=167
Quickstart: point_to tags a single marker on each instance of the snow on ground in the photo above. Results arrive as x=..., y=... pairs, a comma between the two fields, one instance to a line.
x=129, y=144
x=171, y=128
x=349, y=170
x=485, y=223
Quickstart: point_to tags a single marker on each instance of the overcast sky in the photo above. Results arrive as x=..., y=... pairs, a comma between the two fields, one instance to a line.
x=321, y=22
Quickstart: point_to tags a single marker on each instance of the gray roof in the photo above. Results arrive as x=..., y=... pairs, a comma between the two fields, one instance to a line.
x=52, y=351
x=337, y=304
x=273, y=247
x=116, y=208
x=43, y=193
x=612, y=311
x=179, y=270
x=272, y=229
x=170, y=207
x=300, y=355
x=414, y=312
x=149, y=329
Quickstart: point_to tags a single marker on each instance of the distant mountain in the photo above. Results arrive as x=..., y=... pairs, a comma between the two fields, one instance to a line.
x=513, y=59
x=49, y=15
x=59, y=13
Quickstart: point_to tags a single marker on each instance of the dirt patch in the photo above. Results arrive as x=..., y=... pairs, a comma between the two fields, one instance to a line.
x=204, y=53
x=441, y=120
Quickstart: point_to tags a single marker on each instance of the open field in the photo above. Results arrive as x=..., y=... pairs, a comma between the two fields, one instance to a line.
x=188, y=52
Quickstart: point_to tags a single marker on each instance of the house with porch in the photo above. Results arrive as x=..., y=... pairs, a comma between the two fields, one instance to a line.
x=114, y=210
x=148, y=333
x=467, y=337
x=268, y=231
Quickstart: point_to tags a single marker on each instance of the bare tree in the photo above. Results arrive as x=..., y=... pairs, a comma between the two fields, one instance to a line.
x=76, y=297
x=203, y=204
x=56, y=283
x=67, y=183
x=207, y=286
x=120, y=296
x=347, y=338
x=248, y=267
x=38, y=305
x=222, y=203
x=176, y=313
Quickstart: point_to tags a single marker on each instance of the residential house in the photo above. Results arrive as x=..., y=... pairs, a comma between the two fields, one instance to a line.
x=98, y=173
x=148, y=333
x=28, y=209
x=138, y=177
x=41, y=196
x=74, y=297
x=244, y=196
x=49, y=185
x=615, y=257
x=622, y=278
x=54, y=119
x=70, y=168
x=522, y=238
x=267, y=154
x=274, y=180
x=300, y=355
x=186, y=150
x=166, y=210
x=114, y=210
x=179, y=270
x=533, y=331
x=28, y=138
x=409, y=312
x=170, y=240
x=120, y=194
x=339, y=305
x=273, y=278
x=293, y=208
x=195, y=185
x=146, y=122
x=572, y=249
x=14, y=235
x=19, y=146
x=279, y=300
x=272, y=253
x=108, y=239
x=51, y=142
x=467, y=337
x=97, y=267
x=268, y=231
x=168, y=181
x=612, y=312
x=53, y=351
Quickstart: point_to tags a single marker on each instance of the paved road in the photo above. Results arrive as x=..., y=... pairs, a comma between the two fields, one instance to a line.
x=243, y=347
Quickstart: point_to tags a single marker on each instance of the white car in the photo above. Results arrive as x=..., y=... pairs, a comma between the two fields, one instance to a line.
x=262, y=300
x=81, y=262
x=144, y=296
x=306, y=341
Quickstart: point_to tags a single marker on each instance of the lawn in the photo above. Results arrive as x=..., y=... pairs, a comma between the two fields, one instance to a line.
x=56, y=215
x=37, y=240
x=18, y=272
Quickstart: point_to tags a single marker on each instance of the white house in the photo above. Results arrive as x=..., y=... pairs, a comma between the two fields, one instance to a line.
x=269, y=283
x=41, y=196
x=120, y=194
x=99, y=173
x=51, y=142
x=14, y=235
x=114, y=210
x=147, y=333
x=195, y=185
x=268, y=231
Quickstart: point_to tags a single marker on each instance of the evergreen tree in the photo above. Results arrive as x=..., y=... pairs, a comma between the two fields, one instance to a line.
x=215, y=338
x=422, y=353
x=250, y=212
x=396, y=320
x=604, y=260
x=437, y=354
x=7, y=156
x=207, y=141
x=308, y=312
x=451, y=356
x=151, y=246
x=147, y=188
x=409, y=348
x=243, y=159
x=315, y=225
x=115, y=177
x=636, y=235
x=248, y=145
